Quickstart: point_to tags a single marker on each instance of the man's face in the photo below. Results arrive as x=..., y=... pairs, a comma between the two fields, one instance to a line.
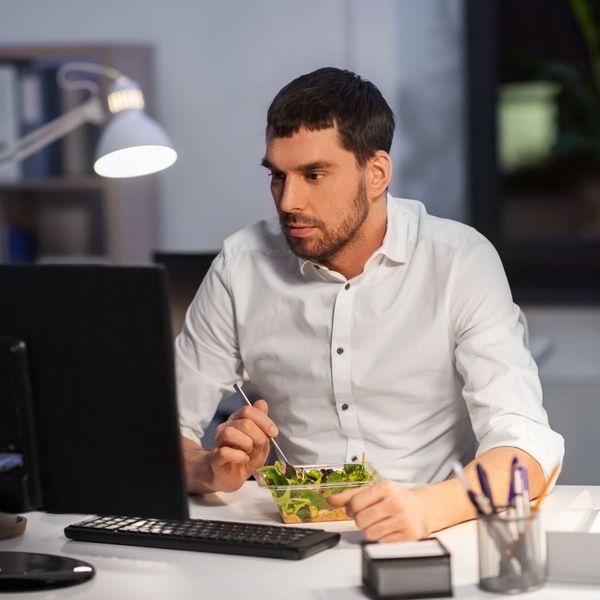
x=319, y=191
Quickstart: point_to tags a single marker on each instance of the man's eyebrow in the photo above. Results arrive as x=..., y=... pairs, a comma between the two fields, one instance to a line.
x=312, y=166
x=268, y=165
x=315, y=166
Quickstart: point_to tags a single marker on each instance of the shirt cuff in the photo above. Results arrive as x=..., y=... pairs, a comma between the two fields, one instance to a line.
x=547, y=455
x=190, y=434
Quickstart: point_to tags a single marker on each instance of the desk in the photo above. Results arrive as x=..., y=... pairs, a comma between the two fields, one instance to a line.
x=129, y=572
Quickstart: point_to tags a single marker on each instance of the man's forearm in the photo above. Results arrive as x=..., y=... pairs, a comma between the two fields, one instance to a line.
x=198, y=473
x=447, y=501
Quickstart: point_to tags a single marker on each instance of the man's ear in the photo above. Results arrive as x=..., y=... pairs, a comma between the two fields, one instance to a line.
x=378, y=173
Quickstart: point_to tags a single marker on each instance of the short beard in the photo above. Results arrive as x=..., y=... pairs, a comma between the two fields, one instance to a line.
x=332, y=241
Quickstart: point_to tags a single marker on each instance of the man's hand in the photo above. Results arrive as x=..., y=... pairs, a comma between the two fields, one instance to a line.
x=241, y=445
x=390, y=513
x=385, y=511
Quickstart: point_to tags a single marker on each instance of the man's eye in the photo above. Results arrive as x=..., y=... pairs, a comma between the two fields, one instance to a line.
x=277, y=176
x=314, y=176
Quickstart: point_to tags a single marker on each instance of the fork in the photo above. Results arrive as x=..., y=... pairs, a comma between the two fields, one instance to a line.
x=290, y=470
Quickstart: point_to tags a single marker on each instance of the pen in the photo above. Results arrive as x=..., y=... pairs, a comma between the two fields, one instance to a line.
x=525, y=480
x=460, y=475
x=485, y=485
x=511, y=487
x=481, y=503
x=546, y=488
x=518, y=498
x=524, y=548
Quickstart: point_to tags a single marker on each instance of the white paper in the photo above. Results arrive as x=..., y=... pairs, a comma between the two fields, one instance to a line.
x=583, y=501
x=595, y=522
x=404, y=549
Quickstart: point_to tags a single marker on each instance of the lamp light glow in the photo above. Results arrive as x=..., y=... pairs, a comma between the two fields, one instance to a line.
x=135, y=161
x=132, y=144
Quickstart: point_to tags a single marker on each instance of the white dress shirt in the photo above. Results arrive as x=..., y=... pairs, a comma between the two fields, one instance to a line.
x=416, y=362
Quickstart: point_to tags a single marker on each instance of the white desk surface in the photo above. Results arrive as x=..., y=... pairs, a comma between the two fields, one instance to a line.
x=129, y=572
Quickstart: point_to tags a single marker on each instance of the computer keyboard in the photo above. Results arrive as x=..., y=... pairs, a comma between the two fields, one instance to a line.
x=251, y=539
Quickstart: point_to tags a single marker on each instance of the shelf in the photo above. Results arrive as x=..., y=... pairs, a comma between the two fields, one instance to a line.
x=59, y=207
x=84, y=182
x=72, y=259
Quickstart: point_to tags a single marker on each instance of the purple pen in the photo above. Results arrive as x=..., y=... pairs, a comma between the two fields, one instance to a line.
x=481, y=503
x=511, y=488
x=485, y=485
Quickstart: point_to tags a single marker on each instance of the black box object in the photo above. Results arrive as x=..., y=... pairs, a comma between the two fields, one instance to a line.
x=405, y=570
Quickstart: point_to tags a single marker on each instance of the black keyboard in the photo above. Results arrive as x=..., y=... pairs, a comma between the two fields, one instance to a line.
x=251, y=539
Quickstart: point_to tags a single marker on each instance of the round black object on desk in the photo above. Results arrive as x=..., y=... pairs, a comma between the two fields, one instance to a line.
x=24, y=571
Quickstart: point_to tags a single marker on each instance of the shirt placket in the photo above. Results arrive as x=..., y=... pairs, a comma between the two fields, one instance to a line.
x=341, y=363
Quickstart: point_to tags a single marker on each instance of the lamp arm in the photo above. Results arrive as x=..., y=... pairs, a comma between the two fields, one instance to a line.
x=91, y=111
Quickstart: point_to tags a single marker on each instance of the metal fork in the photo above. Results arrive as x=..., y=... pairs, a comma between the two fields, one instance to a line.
x=290, y=470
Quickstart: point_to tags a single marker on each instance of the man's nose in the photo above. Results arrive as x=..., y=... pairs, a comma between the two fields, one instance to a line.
x=292, y=197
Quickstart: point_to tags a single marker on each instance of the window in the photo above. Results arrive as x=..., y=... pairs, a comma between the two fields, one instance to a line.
x=534, y=142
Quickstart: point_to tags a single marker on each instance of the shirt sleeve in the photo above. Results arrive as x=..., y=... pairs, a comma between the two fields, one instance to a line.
x=207, y=358
x=501, y=386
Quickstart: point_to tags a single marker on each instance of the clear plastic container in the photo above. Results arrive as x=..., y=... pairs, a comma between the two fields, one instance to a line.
x=307, y=502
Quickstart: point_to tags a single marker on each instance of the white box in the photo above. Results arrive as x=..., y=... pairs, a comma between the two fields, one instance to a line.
x=573, y=547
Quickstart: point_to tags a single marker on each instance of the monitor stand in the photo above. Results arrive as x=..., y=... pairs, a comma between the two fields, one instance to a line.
x=27, y=571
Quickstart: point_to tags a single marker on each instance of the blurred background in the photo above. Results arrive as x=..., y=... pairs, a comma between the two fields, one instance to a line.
x=498, y=126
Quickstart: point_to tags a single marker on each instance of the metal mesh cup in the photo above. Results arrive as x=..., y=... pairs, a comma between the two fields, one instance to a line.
x=511, y=558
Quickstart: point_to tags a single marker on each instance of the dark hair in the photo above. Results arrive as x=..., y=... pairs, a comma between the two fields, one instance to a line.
x=328, y=97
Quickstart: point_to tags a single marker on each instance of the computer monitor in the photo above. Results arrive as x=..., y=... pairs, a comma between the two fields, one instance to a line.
x=19, y=475
x=99, y=350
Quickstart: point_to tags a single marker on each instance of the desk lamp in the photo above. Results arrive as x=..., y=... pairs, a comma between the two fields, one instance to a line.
x=131, y=144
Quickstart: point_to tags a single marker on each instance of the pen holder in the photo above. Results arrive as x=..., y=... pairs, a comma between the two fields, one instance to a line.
x=510, y=553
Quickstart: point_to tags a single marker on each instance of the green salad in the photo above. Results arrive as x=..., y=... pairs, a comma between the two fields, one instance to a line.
x=310, y=503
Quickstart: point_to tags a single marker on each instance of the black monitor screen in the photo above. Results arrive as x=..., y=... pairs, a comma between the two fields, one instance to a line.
x=19, y=474
x=101, y=369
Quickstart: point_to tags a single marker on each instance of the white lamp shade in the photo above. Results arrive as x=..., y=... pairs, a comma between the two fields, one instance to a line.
x=132, y=144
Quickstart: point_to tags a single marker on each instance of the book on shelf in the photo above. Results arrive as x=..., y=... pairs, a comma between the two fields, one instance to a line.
x=3, y=243
x=40, y=104
x=22, y=244
x=9, y=120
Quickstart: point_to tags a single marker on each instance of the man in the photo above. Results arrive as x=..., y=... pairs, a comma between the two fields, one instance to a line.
x=366, y=324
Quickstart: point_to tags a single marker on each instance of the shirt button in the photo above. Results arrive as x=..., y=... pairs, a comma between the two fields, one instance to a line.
x=354, y=458
x=347, y=286
x=340, y=350
x=344, y=406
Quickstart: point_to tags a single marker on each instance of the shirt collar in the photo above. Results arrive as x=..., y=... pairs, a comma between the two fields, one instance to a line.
x=394, y=241
x=304, y=265
x=396, y=233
